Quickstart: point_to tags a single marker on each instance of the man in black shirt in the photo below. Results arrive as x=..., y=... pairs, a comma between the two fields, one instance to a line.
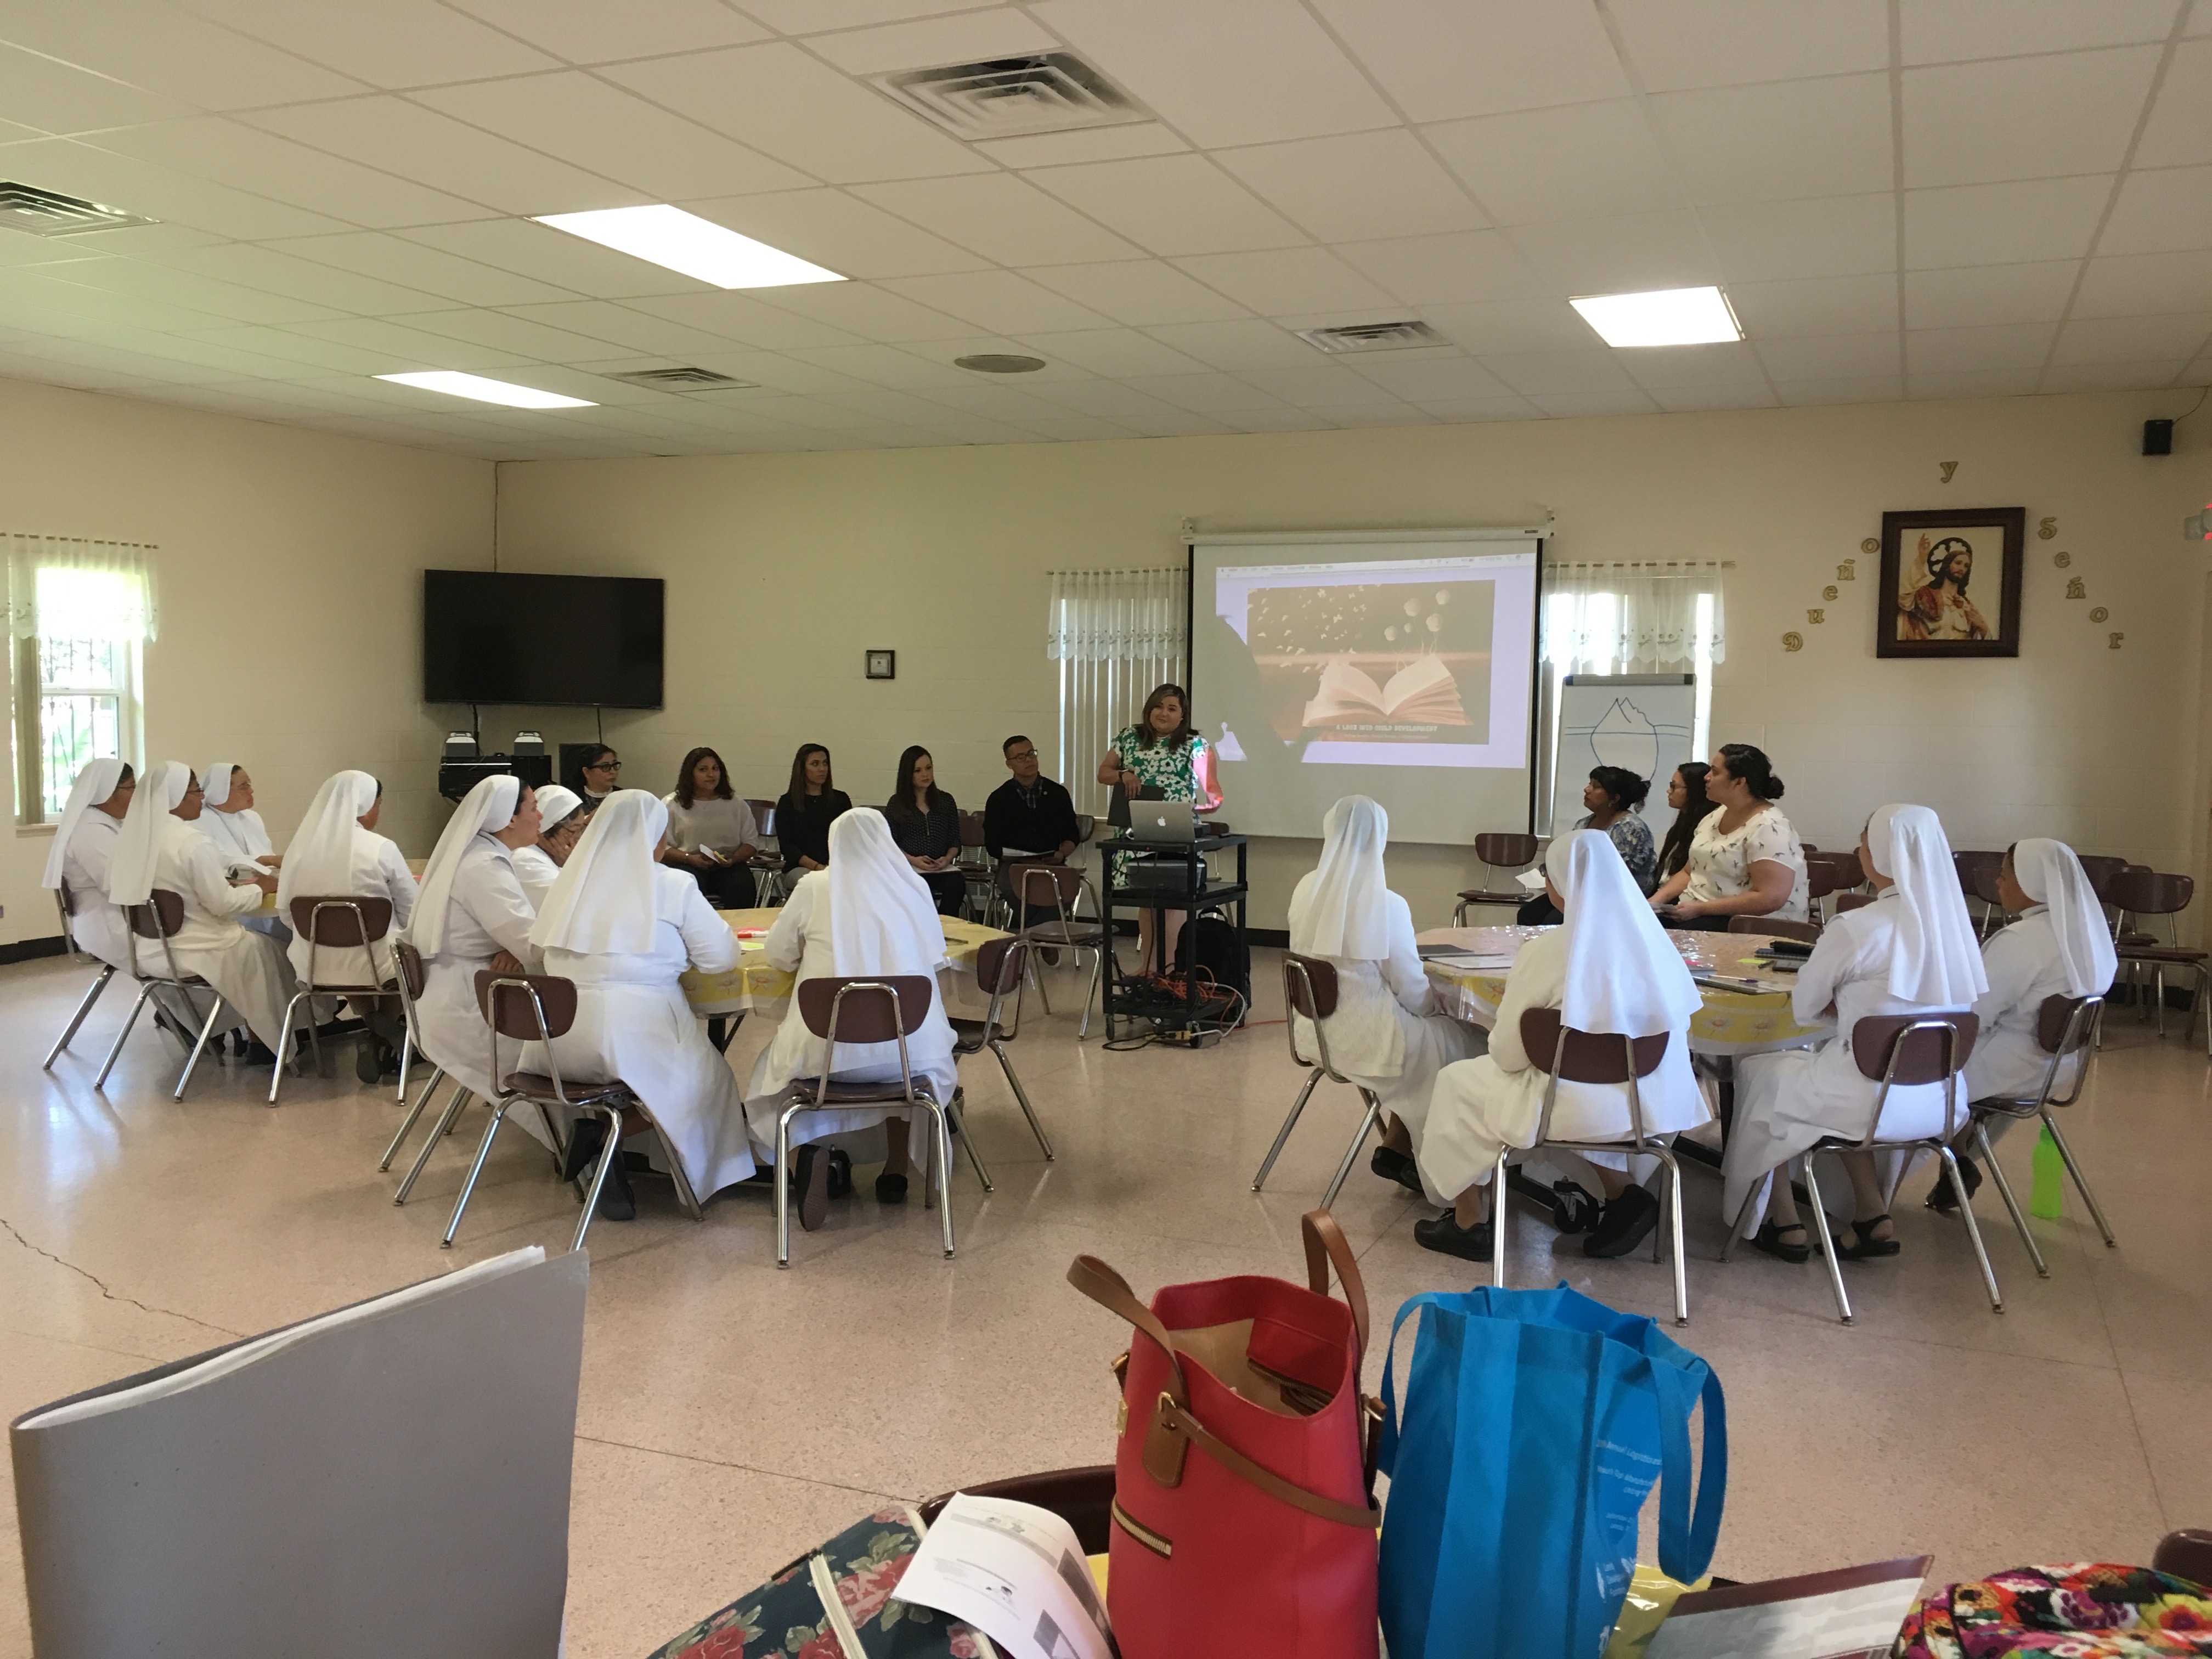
x=1028, y=818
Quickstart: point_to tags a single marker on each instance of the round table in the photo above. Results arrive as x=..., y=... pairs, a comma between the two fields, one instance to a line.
x=754, y=986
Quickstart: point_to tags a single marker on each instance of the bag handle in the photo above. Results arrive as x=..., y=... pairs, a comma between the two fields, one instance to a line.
x=1165, y=1447
x=1385, y=1450
x=1326, y=1245
x=1177, y=1420
x=1686, y=1543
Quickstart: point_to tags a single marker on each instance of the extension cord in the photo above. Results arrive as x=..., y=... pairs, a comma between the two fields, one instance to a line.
x=1189, y=1039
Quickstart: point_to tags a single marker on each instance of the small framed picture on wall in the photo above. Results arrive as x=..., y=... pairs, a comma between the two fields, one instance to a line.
x=1950, y=583
x=883, y=665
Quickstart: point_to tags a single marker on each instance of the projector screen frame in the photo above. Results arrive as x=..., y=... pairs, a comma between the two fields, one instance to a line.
x=1536, y=536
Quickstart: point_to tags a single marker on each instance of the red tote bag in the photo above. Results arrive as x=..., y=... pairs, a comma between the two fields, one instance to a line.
x=1243, y=1518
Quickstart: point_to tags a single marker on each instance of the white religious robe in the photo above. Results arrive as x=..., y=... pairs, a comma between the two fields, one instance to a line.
x=535, y=869
x=2024, y=968
x=247, y=968
x=486, y=913
x=378, y=870
x=95, y=925
x=241, y=838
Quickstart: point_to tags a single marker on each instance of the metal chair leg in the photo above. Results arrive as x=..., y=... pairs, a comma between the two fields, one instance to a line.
x=276, y=1072
x=968, y=1141
x=1283, y=1134
x=1044, y=995
x=1973, y=1227
x=443, y=1127
x=943, y=1159
x=1367, y=1126
x=200, y=1047
x=1091, y=993
x=783, y=1185
x=2158, y=996
x=82, y=1009
x=2011, y=1203
x=1006, y=1064
x=406, y=1055
x=1735, y=1227
x=1818, y=1227
x=1496, y=1220
x=1674, y=1234
x=607, y=1157
x=414, y=1112
x=2081, y=1181
x=130, y=1019
x=469, y=1187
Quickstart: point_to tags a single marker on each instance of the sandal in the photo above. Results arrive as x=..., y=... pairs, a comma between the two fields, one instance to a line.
x=1942, y=1198
x=1863, y=1248
x=1769, y=1239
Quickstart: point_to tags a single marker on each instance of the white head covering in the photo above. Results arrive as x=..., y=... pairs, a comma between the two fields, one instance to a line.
x=138, y=844
x=1623, y=973
x=215, y=782
x=94, y=785
x=1340, y=913
x=318, y=864
x=485, y=810
x=556, y=801
x=881, y=919
x=2049, y=873
x=1938, y=961
x=607, y=896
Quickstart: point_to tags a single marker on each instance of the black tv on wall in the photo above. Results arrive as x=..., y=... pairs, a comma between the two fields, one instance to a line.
x=493, y=636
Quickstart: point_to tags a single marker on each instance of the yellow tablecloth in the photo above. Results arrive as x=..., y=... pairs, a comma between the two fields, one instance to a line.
x=1730, y=1023
x=755, y=987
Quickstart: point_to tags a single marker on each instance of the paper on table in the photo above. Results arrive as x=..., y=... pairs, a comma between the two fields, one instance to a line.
x=1531, y=879
x=1854, y=1614
x=1014, y=1572
x=1469, y=962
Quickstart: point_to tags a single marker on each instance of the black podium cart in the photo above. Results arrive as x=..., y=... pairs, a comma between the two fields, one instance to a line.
x=1170, y=881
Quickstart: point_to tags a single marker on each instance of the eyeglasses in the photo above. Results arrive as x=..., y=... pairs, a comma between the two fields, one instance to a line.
x=604, y=766
x=1023, y=755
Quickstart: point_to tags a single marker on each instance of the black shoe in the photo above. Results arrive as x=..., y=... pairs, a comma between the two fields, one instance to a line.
x=616, y=1201
x=1943, y=1199
x=585, y=1137
x=1574, y=1209
x=810, y=1184
x=259, y=1053
x=369, y=1061
x=1624, y=1222
x=1394, y=1165
x=1444, y=1234
x=840, y=1173
x=1864, y=1247
x=890, y=1188
x=1769, y=1239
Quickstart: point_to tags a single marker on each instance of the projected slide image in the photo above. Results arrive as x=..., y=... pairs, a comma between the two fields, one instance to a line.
x=1388, y=662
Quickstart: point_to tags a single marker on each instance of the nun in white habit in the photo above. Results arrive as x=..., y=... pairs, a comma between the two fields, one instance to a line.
x=1386, y=1034
x=471, y=915
x=1911, y=952
x=625, y=927
x=867, y=913
x=561, y=821
x=84, y=840
x=158, y=847
x=336, y=853
x=1611, y=969
x=230, y=821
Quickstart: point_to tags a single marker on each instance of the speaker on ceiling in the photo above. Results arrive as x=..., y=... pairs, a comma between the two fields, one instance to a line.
x=2158, y=438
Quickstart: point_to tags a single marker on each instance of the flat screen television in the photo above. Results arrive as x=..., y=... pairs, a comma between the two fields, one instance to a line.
x=495, y=636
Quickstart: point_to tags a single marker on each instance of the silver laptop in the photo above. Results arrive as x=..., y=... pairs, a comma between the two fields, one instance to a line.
x=1161, y=823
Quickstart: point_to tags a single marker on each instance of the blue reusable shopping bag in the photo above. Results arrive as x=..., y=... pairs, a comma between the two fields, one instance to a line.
x=1535, y=1423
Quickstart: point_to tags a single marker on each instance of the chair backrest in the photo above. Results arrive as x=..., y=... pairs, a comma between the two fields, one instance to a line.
x=160, y=917
x=868, y=1015
x=1308, y=986
x=1854, y=900
x=339, y=921
x=2183, y=1554
x=971, y=829
x=2100, y=869
x=1845, y=864
x=999, y=965
x=1504, y=850
x=2052, y=1019
x=506, y=1002
x=1822, y=878
x=1938, y=1048
x=1775, y=927
x=1053, y=887
x=1086, y=825
x=1977, y=871
x=1590, y=1056
x=2145, y=892
x=411, y=976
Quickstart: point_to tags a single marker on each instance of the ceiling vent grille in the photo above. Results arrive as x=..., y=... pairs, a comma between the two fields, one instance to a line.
x=44, y=213
x=1373, y=337
x=1013, y=97
x=691, y=379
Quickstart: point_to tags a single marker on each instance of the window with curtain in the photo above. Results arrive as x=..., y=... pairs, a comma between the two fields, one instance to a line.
x=1114, y=635
x=79, y=614
x=1637, y=618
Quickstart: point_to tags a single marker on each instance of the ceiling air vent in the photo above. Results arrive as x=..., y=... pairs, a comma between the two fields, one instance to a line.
x=1012, y=97
x=44, y=213
x=686, y=380
x=1373, y=337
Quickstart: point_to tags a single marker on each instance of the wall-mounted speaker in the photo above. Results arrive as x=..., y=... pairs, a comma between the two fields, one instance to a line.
x=2158, y=438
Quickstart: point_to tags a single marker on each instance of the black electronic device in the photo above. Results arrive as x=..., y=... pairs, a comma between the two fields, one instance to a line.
x=1117, y=815
x=501, y=637
x=457, y=777
x=2158, y=438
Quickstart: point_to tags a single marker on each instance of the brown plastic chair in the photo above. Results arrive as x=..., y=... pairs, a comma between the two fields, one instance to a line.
x=66, y=904
x=766, y=864
x=1977, y=882
x=1053, y=892
x=1309, y=989
x=159, y=918
x=335, y=922
x=1498, y=851
x=1854, y=900
x=1897, y=1051
x=1000, y=965
x=2183, y=1554
x=2140, y=893
x=1565, y=1054
x=1776, y=928
x=976, y=863
x=2100, y=869
x=2063, y=1027
x=839, y=1008
x=412, y=979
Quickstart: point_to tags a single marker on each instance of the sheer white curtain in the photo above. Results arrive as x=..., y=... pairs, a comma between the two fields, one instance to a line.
x=1115, y=634
x=66, y=587
x=1651, y=616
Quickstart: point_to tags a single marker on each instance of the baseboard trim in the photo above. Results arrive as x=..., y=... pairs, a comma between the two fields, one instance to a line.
x=29, y=950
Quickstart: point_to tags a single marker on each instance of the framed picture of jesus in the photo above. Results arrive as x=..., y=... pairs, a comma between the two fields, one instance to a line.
x=1950, y=583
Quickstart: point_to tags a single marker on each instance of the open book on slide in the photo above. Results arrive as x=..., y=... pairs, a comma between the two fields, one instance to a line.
x=390, y=1478
x=1422, y=693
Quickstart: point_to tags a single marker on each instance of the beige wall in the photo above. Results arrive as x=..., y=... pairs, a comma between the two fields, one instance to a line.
x=783, y=568
x=289, y=580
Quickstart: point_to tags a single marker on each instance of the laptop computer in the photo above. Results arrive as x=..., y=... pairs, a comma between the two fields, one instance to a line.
x=1117, y=815
x=1161, y=823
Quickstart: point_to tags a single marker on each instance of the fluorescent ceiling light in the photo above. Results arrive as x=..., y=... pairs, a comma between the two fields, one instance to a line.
x=1667, y=317
x=455, y=384
x=697, y=247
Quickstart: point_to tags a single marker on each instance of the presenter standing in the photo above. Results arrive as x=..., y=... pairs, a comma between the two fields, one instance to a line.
x=1160, y=751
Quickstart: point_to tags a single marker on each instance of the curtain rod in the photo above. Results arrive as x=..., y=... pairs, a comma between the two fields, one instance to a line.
x=1146, y=570
x=81, y=541
x=1637, y=564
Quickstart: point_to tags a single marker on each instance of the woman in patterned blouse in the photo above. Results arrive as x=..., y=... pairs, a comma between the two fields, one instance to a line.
x=1162, y=751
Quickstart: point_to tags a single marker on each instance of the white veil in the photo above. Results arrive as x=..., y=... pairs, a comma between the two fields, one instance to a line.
x=605, y=898
x=2049, y=873
x=1938, y=961
x=1624, y=975
x=318, y=864
x=1340, y=911
x=138, y=844
x=94, y=785
x=881, y=920
x=487, y=809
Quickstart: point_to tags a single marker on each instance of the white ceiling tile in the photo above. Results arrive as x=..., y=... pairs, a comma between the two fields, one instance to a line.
x=1730, y=363
x=1392, y=413
x=1849, y=389
x=1424, y=380
x=1460, y=411
x=1055, y=149
x=1237, y=348
x=1319, y=383
x=1775, y=142
x=568, y=262
x=1139, y=292
x=1833, y=358
x=1166, y=422
x=36, y=298
x=83, y=169
x=524, y=336
x=1037, y=381
x=996, y=300
x=780, y=100
x=431, y=270
x=885, y=365
x=1003, y=218
x=2179, y=132
x=1209, y=394
x=617, y=324
x=2115, y=377
x=1224, y=71
x=243, y=157
x=410, y=347
x=1627, y=254
x=586, y=122
x=1554, y=374
x=741, y=318
x=1578, y=405
x=1285, y=280
x=319, y=284
x=2199, y=21
x=1467, y=267
x=1685, y=399
x=167, y=284
x=1117, y=353
x=393, y=44
x=1730, y=42
x=1441, y=58
x=2140, y=283
x=2133, y=339
x=867, y=311
x=1950, y=31
x=1580, y=163
x=811, y=16
x=1357, y=187
x=1997, y=224
x=305, y=349
x=163, y=52
x=1949, y=350
x=964, y=37
x=1171, y=204
x=989, y=395
x=779, y=372
x=1973, y=383
x=1282, y=418
x=2165, y=211
x=886, y=404
x=19, y=247
x=2024, y=118
x=1068, y=428
x=60, y=98
x=839, y=231
x=1823, y=236
x=1511, y=325
x=1965, y=295
x=588, y=32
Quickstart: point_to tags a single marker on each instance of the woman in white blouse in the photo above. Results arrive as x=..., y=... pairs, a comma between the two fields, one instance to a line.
x=1745, y=860
x=711, y=834
x=1386, y=1035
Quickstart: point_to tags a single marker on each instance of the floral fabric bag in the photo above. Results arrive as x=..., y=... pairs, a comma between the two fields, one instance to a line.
x=2083, y=1610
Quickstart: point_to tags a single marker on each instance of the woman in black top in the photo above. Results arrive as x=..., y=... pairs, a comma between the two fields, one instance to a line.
x=926, y=824
x=803, y=815
x=1686, y=793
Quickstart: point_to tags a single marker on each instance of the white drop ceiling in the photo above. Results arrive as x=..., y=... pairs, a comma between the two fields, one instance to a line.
x=1902, y=198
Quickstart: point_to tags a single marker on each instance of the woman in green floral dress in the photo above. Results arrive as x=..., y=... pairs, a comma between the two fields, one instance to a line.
x=1160, y=751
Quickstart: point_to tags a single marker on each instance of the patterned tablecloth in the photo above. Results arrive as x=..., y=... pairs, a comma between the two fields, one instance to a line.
x=1731, y=1022
x=755, y=987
